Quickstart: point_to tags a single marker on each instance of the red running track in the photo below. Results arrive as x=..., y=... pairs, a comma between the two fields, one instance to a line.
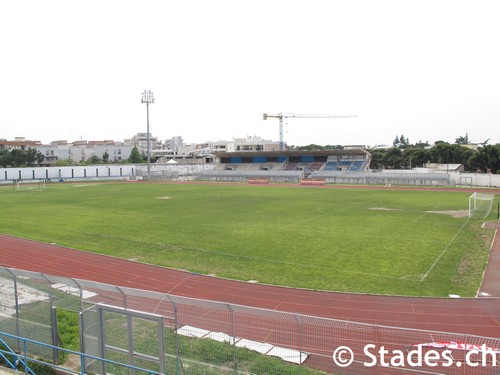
x=477, y=316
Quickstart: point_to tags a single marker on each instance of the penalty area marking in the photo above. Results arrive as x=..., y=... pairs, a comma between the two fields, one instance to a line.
x=384, y=209
x=83, y=185
x=424, y=276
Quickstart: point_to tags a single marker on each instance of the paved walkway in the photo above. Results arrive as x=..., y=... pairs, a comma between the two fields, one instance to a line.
x=490, y=286
x=8, y=371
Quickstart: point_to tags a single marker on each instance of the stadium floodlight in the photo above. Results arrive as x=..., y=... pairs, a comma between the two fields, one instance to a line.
x=147, y=97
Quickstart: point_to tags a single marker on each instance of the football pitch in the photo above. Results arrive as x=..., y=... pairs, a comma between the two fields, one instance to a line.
x=357, y=240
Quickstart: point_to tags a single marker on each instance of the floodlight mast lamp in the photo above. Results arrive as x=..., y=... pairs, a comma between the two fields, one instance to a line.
x=147, y=97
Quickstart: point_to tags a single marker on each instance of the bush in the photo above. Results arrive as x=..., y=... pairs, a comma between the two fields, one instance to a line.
x=36, y=367
x=39, y=368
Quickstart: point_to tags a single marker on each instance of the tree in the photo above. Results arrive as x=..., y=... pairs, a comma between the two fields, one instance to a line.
x=462, y=140
x=395, y=143
x=400, y=141
x=333, y=147
x=422, y=144
x=492, y=155
x=378, y=157
x=64, y=162
x=5, y=158
x=135, y=156
x=392, y=158
x=32, y=157
x=415, y=156
x=94, y=159
x=39, y=157
x=483, y=144
x=440, y=153
x=17, y=158
x=486, y=159
x=445, y=153
x=310, y=147
x=404, y=141
x=20, y=158
x=105, y=157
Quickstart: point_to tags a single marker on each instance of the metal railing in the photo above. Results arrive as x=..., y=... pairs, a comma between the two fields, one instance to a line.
x=22, y=360
x=173, y=334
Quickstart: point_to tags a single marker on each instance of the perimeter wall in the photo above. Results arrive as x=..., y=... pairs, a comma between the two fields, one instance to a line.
x=208, y=172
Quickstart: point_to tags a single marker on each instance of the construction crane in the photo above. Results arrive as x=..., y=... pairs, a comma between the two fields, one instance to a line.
x=281, y=116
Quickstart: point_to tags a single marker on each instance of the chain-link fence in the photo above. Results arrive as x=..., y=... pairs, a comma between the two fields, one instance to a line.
x=179, y=335
x=26, y=310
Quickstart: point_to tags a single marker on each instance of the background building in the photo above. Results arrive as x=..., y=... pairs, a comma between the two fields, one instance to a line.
x=252, y=143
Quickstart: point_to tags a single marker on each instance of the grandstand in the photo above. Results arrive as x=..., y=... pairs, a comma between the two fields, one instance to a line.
x=307, y=161
x=352, y=166
x=283, y=166
x=342, y=166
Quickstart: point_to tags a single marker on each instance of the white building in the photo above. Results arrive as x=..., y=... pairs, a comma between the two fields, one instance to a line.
x=52, y=153
x=140, y=140
x=208, y=148
x=81, y=151
x=252, y=143
x=174, y=144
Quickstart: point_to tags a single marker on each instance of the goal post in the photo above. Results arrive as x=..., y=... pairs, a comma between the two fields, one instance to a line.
x=28, y=185
x=480, y=205
x=465, y=181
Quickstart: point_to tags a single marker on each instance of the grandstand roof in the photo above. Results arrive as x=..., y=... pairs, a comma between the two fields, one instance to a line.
x=291, y=153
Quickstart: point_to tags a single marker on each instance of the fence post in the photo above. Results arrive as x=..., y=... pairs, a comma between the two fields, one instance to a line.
x=25, y=355
x=81, y=292
x=55, y=337
x=176, y=326
x=378, y=346
x=16, y=303
x=81, y=324
x=464, y=365
x=300, y=336
x=101, y=338
x=233, y=334
x=161, y=349
x=130, y=341
x=124, y=297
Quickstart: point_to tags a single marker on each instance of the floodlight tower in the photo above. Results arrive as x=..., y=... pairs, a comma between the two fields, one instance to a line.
x=147, y=97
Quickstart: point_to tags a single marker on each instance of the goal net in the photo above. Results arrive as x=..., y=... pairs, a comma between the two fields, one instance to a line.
x=28, y=185
x=465, y=181
x=480, y=205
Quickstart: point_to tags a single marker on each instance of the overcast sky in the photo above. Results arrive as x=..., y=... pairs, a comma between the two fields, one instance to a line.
x=428, y=70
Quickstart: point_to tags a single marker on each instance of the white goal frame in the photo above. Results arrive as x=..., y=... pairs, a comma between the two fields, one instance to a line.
x=28, y=185
x=480, y=205
x=466, y=181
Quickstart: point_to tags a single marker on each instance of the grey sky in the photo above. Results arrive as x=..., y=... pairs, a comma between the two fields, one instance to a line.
x=76, y=69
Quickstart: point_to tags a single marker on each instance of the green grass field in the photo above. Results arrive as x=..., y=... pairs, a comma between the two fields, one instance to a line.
x=375, y=241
